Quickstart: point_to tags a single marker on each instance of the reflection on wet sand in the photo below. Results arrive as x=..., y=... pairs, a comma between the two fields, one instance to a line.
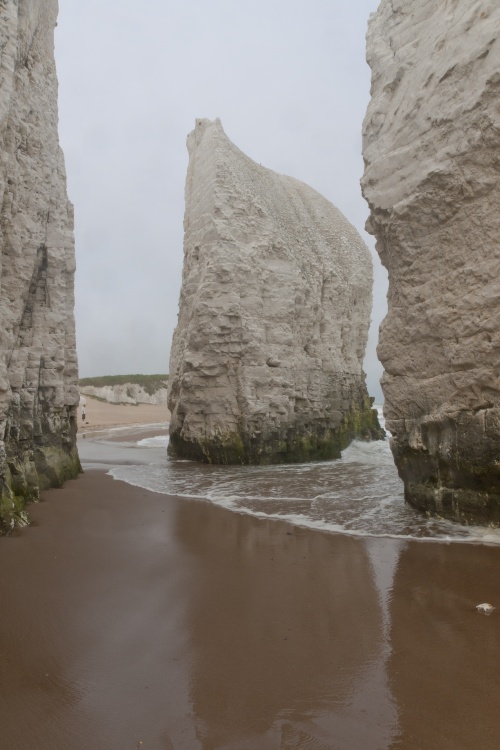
x=180, y=625
x=287, y=637
x=444, y=668
x=130, y=617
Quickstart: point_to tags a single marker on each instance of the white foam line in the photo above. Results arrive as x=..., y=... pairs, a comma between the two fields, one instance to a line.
x=156, y=441
x=324, y=526
x=111, y=473
x=329, y=527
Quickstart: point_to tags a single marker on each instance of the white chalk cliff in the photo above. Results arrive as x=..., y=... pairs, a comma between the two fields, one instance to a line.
x=432, y=156
x=38, y=365
x=126, y=393
x=266, y=360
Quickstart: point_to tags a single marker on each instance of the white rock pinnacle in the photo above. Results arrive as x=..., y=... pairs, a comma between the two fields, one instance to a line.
x=266, y=360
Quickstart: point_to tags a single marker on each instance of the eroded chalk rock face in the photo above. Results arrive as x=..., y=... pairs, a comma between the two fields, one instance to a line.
x=38, y=365
x=127, y=393
x=432, y=155
x=274, y=311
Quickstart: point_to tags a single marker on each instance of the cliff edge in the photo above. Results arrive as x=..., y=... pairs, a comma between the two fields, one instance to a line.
x=38, y=364
x=266, y=359
x=126, y=389
x=431, y=149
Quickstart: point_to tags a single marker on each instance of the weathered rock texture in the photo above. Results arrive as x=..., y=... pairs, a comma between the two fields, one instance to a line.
x=274, y=313
x=432, y=154
x=38, y=366
x=126, y=393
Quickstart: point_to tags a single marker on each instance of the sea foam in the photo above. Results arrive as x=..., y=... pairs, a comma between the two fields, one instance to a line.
x=360, y=494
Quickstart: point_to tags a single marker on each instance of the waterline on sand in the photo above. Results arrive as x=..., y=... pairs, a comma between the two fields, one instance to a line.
x=359, y=495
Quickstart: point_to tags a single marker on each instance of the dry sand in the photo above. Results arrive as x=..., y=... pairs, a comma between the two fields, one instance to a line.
x=136, y=620
x=100, y=414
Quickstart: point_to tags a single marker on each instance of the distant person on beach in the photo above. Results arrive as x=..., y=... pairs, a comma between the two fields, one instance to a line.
x=84, y=405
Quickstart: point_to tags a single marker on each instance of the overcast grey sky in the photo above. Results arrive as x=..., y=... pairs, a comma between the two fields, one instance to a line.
x=288, y=79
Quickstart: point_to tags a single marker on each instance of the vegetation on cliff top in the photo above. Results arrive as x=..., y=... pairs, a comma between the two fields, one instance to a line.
x=150, y=383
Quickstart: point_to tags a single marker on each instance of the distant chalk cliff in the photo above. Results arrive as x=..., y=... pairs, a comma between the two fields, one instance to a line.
x=127, y=389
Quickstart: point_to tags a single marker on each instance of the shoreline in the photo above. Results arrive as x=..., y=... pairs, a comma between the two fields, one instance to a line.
x=133, y=619
x=102, y=415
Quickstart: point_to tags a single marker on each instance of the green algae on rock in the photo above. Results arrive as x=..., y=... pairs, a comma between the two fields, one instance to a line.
x=455, y=473
x=38, y=363
x=285, y=445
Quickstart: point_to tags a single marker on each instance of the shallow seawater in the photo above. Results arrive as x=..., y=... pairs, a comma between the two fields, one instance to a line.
x=359, y=494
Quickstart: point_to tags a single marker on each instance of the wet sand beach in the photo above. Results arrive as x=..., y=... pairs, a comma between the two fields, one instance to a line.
x=137, y=620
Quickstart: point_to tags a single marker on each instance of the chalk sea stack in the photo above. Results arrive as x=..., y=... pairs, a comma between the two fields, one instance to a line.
x=38, y=365
x=432, y=156
x=266, y=359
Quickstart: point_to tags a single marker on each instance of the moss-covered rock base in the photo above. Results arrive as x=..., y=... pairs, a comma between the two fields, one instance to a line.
x=454, y=472
x=286, y=444
x=34, y=460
